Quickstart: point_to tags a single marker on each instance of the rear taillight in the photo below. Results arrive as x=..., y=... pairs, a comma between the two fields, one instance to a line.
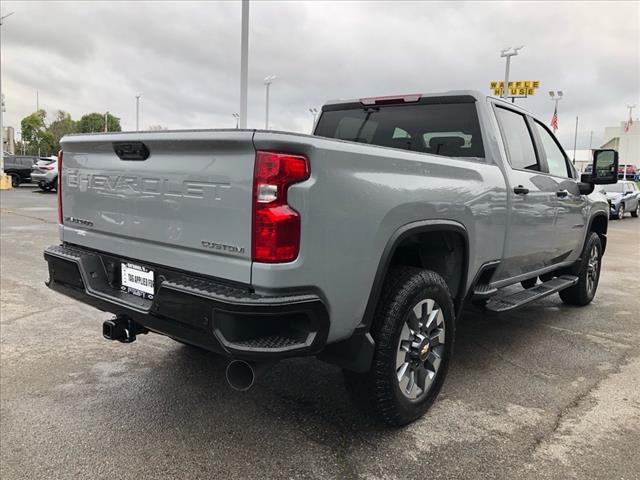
x=46, y=167
x=59, y=187
x=276, y=226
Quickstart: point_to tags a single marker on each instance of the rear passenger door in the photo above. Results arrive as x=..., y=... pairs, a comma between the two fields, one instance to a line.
x=531, y=242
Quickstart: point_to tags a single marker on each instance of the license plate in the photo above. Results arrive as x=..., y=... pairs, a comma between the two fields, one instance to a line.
x=137, y=280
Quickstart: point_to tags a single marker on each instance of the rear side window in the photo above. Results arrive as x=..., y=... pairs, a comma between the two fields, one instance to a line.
x=517, y=140
x=449, y=129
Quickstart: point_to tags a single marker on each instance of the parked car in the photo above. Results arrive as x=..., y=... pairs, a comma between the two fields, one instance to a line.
x=623, y=197
x=359, y=245
x=627, y=172
x=18, y=167
x=45, y=174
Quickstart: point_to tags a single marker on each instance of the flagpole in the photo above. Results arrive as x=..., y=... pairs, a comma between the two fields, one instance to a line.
x=575, y=141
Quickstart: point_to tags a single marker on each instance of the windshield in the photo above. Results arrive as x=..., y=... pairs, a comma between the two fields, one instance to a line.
x=449, y=129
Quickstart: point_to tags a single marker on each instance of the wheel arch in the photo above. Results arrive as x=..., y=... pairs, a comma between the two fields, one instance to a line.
x=599, y=223
x=413, y=236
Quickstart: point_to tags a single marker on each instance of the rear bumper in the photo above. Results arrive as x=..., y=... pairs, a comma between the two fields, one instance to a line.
x=228, y=319
x=39, y=177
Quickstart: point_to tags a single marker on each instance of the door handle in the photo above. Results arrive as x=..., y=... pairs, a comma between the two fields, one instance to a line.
x=520, y=190
x=562, y=193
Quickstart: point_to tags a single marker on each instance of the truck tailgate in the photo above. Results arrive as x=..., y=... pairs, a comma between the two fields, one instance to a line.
x=187, y=206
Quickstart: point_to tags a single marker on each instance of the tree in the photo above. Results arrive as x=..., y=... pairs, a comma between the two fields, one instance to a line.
x=61, y=126
x=34, y=131
x=94, y=123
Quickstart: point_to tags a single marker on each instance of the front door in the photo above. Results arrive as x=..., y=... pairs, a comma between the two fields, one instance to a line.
x=572, y=215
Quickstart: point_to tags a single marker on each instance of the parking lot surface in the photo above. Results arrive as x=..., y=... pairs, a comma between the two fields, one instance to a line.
x=548, y=391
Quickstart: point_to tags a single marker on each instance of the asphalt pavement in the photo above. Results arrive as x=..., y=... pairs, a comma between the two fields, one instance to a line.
x=548, y=391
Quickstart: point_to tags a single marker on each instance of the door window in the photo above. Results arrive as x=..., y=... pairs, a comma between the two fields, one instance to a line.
x=556, y=159
x=517, y=140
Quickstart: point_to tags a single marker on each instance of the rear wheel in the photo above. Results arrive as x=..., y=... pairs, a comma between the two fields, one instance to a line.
x=636, y=212
x=588, y=274
x=414, y=333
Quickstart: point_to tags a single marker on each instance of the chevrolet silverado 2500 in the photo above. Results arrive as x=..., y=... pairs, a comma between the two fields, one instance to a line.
x=360, y=244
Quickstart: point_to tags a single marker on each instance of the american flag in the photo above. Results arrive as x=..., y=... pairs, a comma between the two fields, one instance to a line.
x=554, y=119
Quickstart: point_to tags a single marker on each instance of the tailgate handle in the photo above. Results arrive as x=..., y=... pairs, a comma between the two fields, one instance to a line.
x=135, y=151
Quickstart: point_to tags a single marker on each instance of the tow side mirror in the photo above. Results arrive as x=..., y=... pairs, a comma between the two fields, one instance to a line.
x=605, y=168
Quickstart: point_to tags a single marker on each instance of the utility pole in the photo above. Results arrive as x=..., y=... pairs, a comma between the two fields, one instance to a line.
x=244, y=63
x=138, y=112
x=37, y=101
x=314, y=112
x=556, y=96
x=590, y=139
x=106, y=122
x=508, y=53
x=5, y=181
x=267, y=82
x=237, y=117
x=575, y=141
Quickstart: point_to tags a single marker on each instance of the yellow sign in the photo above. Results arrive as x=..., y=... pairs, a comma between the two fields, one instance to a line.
x=518, y=88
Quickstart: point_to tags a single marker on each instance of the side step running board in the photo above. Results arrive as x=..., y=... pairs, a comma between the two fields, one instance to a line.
x=483, y=292
x=518, y=299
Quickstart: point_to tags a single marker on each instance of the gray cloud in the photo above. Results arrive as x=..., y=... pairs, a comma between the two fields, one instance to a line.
x=184, y=57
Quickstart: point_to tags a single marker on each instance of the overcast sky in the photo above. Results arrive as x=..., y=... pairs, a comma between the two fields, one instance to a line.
x=184, y=57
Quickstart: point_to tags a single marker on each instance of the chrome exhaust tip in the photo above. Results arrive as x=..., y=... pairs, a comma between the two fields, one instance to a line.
x=240, y=375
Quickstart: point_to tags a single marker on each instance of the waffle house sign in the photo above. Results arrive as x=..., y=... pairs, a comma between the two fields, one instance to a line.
x=519, y=88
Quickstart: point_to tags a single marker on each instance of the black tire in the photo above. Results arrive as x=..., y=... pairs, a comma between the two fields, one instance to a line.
x=588, y=274
x=621, y=212
x=529, y=283
x=635, y=213
x=45, y=187
x=378, y=391
x=15, y=180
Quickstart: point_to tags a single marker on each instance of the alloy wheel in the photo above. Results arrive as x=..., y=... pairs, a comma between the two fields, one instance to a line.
x=621, y=212
x=420, y=349
x=593, y=269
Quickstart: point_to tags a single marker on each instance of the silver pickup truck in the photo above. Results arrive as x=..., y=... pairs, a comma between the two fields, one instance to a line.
x=360, y=244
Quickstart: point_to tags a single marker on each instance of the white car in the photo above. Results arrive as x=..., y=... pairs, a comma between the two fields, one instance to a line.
x=45, y=174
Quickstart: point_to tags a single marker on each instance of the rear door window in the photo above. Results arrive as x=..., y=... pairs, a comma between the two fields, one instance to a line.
x=517, y=140
x=448, y=129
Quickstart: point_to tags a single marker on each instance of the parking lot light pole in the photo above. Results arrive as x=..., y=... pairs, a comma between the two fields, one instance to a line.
x=5, y=181
x=267, y=82
x=508, y=53
x=556, y=96
x=244, y=62
x=138, y=112
x=237, y=117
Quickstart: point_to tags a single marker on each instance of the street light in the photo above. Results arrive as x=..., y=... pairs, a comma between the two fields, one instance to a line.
x=556, y=96
x=508, y=53
x=267, y=82
x=237, y=117
x=138, y=112
x=314, y=112
x=5, y=184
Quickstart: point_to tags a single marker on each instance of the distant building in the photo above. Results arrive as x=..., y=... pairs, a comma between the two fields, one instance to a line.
x=583, y=158
x=626, y=141
x=9, y=140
